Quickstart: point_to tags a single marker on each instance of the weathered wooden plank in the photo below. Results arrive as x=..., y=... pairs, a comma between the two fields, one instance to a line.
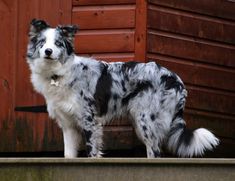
x=191, y=48
x=8, y=54
x=111, y=57
x=43, y=10
x=118, y=137
x=104, y=41
x=210, y=100
x=217, y=8
x=28, y=134
x=141, y=30
x=181, y=22
x=30, y=130
x=104, y=17
x=212, y=121
x=226, y=149
x=198, y=73
x=103, y=2
x=65, y=12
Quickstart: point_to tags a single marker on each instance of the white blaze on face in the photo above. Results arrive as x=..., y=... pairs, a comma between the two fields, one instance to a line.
x=50, y=35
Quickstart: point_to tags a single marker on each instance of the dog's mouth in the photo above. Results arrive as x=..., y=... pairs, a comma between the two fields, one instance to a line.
x=48, y=58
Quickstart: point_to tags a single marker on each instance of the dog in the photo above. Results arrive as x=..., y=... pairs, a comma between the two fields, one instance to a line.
x=83, y=94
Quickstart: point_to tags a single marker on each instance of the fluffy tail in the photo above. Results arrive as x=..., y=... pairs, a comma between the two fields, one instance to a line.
x=189, y=143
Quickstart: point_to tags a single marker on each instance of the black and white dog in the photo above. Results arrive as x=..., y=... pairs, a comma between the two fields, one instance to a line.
x=82, y=94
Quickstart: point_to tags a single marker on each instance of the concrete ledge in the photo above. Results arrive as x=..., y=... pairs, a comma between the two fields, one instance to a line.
x=111, y=169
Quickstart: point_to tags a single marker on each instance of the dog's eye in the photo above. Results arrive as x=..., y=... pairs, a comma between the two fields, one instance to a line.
x=41, y=42
x=58, y=43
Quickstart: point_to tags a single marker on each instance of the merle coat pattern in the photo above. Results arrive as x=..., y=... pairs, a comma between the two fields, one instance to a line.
x=82, y=94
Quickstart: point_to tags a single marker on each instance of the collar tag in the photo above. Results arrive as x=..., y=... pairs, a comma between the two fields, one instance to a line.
x=54, y=82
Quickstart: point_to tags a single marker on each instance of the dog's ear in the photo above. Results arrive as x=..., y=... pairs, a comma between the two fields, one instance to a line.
x=36, y=26
x=68, y=31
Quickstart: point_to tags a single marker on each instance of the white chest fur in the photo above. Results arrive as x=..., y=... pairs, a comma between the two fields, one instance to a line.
x=61, y=101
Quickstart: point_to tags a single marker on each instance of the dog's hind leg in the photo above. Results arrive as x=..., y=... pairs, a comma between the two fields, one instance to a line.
x=72, y=139
x=146, y=133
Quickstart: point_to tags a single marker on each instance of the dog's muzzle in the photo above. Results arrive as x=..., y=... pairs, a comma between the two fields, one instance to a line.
x=48, y=53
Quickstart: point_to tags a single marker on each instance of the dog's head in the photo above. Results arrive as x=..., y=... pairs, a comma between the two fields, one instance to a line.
x=50, y=44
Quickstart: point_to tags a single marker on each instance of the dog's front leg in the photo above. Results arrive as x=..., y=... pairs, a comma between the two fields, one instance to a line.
x=93, y=135
x=72, y=138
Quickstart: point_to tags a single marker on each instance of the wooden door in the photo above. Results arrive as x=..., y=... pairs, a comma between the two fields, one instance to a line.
x=21, y=131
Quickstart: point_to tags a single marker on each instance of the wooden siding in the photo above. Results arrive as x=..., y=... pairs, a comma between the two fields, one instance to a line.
x=105, y=28
x=191, y=24
x=200, y=50
x=104, y=17
x=102, y=2
x=104, y=41
x=193, y=38
x=215, y=8
x=196, y=40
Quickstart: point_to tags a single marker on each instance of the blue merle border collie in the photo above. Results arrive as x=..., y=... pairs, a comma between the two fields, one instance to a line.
x=83, y=94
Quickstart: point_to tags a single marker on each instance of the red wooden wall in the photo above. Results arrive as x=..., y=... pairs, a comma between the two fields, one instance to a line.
x=23, y=132
x=196, y=39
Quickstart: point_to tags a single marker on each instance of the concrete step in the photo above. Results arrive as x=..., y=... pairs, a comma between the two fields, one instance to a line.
x=112, y=169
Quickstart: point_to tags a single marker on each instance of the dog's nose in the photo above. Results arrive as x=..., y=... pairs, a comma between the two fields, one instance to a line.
x=48, y=51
